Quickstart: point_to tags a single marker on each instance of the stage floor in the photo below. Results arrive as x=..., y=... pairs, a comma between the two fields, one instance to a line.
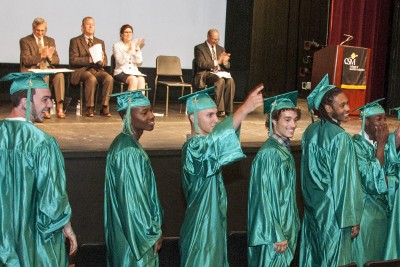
x=80, y=133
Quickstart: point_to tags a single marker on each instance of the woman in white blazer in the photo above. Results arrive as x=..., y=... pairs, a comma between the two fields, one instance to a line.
x=128, y=56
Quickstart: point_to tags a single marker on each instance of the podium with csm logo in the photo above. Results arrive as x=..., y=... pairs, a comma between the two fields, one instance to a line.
x=347, y=67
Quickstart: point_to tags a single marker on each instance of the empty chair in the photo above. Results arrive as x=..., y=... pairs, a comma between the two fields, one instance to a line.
x=169, y=74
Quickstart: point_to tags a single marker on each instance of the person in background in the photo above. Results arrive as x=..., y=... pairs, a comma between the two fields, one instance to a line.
x=211, y=62
x=89, y=72
x=128, y=56
x=38, y=51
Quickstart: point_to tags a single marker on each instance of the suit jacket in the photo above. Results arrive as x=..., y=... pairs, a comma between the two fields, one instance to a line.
x=203, y=62
x=79, y=56
x=29, y=52
x=122, y=58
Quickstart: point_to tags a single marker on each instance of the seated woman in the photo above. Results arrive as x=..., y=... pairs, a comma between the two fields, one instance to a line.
x=128, y=56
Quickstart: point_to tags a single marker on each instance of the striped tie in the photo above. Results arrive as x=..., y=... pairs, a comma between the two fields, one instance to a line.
x=90, y=42
x=214, y=56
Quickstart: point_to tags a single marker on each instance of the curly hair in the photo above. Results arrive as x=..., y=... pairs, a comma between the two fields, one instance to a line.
x=328, y=100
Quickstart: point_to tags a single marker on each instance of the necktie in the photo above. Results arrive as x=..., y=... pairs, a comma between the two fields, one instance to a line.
x=40, y=45
x=214, y=56
x=90, y=42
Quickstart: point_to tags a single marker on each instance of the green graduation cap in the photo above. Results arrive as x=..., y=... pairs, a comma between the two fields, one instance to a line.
x=287, y=100
x=368, y=110
x=197, y=101
x=128, y=100
x=26, y=81
x=315, y=98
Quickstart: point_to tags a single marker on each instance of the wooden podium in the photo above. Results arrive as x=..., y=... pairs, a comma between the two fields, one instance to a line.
x=347, y=67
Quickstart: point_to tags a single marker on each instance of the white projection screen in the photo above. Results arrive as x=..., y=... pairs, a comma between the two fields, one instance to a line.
x=170, y=27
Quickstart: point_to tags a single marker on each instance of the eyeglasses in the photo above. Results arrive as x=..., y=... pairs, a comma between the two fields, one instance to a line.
x=126, y=32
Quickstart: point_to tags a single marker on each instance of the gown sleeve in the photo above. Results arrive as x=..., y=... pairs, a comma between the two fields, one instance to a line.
x=53, y=209
x=346, y=183
x=207, y=155
x=371, y=172
x=392, y=168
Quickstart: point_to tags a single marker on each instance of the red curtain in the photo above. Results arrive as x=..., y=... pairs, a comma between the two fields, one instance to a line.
x=368, y=22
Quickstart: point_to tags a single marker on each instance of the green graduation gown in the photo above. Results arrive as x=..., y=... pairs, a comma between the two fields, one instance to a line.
x=272, y=209
x=203, y=232
x=34, y=204
x=132, y=210
x=392, y=246
x=332, y=194
x=369, y=245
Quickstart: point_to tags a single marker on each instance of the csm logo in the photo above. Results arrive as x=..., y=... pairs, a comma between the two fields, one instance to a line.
x=350, y=60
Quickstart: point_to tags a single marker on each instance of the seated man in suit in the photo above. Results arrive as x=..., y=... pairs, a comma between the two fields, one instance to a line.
x=39, y=52
x=88, y=71
x=212, y=69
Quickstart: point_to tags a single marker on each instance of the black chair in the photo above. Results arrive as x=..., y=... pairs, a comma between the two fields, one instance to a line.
x=91, y=255
x=388, y=263
x=81, y=90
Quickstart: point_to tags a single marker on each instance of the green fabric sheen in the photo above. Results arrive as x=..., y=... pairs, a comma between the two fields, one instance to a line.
x=132, y=210
x=332, y=195
x=369, y=245
x=392, y=250
x=34, y=202
x=203, y=232
x=272, y=210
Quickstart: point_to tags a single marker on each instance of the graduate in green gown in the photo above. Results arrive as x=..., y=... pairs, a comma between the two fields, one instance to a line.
x=273, y=217
x=330, y=182
x=392, y=168
x=34, y=206
x=132, y=210
x=211, y=146
x=377, y=156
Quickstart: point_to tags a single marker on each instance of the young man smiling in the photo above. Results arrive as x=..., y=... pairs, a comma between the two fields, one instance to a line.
x=35, y=212
x=132, y=210
x=211, y=146
x=273, y=218
x=330, y=182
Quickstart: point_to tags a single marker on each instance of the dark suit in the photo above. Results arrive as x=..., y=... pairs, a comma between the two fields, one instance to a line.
x=224, y=88
x=30, y=58
x=89, y=73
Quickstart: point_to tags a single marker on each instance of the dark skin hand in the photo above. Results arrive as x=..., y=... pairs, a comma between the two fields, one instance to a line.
x=354, y=231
